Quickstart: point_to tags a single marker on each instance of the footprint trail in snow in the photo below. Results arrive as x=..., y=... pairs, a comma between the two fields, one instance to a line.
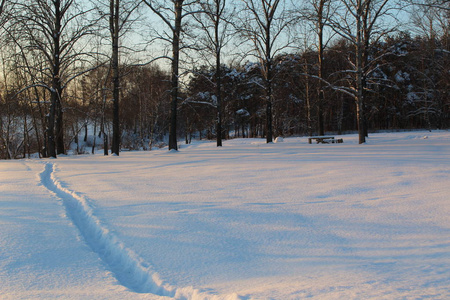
x=128, y=268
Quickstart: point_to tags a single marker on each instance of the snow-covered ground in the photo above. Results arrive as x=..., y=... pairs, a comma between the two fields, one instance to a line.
x=249, y=220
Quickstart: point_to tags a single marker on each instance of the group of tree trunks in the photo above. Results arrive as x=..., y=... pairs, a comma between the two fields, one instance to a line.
x=355, y=74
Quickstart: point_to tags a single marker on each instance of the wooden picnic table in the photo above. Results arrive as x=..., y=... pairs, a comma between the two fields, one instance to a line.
x=320, y=139
x=324, y=139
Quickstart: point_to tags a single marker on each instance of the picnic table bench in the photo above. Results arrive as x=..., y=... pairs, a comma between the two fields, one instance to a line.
x=324, y=140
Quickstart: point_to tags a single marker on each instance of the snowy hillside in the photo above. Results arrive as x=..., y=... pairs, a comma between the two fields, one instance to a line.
x=250, y=220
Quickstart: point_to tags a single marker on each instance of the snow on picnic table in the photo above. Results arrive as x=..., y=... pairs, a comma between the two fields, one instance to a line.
x=246, y=221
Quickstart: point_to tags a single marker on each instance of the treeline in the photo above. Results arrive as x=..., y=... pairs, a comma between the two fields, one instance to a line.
x=62, y=78
x=409, y=88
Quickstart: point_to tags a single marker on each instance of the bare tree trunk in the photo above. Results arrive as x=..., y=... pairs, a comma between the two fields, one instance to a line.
x=219, y=104
x=56, y=85
x=218, y=83
x=59, y=128
x=308, y=108
x=51, y=142
x=114, y=28
x=94, y=142
x=268, y=80
x=55, y=132
x=102, y=126
x=359, y=74
x=320, y=28
x=175, y=74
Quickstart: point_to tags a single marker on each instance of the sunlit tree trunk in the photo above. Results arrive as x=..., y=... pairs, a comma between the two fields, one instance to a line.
x=175, y=74
x=114, y=29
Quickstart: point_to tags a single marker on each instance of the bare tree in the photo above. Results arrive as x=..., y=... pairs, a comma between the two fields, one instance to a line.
x=214, y=22
x=119, y=15
x=55, y=32
x=357, y=22
x=264, y=24
x=172, y=13
x=114, y=18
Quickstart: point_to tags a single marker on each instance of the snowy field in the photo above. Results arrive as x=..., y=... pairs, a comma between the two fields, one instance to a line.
x=249, y=220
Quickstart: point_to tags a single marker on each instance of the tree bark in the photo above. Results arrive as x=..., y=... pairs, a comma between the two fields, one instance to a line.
x=359, y=74
x=269, y=80
x=218, y=77
x=320, y=104
x=55, y=130
x=114, y=27
x=175, y=75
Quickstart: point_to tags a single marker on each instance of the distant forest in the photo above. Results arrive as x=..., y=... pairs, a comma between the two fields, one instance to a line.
x=81, y=76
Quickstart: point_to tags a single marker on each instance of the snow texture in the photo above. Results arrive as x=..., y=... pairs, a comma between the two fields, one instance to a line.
x=248, y=220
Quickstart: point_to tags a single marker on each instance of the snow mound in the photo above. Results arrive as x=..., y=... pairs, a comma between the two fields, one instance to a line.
x=279, y=139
